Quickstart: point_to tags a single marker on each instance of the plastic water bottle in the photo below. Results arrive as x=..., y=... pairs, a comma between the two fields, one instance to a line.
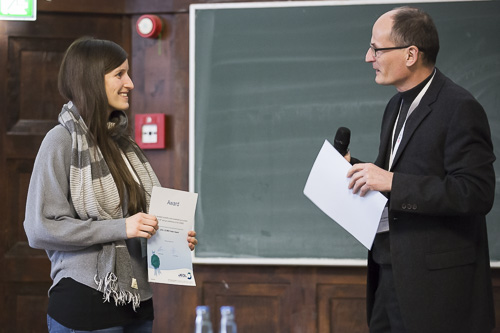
x=227, y=323
x=203, y=323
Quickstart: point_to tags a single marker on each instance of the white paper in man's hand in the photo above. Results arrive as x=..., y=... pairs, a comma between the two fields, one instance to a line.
x=327, y=188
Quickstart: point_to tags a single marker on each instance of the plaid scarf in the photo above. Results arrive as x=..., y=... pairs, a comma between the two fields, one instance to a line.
x=95, y=196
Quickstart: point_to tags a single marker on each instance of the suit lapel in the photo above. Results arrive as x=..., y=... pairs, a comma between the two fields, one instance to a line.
x=419, y=114
x=412, y=124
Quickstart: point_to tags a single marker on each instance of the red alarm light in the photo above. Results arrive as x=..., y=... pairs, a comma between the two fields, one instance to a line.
x=149, y=26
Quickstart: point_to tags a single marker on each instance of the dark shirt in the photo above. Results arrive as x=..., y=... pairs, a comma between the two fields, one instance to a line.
x=410, y=95
x=80, y=307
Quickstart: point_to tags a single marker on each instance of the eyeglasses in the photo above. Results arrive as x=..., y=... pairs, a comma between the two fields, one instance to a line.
x=375, y=50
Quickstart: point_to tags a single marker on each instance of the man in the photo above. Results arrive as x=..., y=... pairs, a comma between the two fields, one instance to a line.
x=428, y=270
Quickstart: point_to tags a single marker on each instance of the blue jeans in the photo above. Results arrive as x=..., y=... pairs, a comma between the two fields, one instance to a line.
x=141, y=327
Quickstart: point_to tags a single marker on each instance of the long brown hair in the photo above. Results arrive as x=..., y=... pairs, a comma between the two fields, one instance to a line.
x=81, y=80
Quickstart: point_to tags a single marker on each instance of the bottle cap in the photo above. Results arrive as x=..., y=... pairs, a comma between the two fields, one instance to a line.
x=200, y=309
x=226, y=309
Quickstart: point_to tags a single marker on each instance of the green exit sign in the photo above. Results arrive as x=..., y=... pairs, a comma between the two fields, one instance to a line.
x=19, y=10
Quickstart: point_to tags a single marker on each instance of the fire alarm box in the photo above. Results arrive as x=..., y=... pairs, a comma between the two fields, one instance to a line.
x=150, y=130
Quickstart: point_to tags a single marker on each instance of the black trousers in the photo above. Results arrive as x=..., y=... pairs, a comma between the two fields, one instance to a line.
x=386, y=315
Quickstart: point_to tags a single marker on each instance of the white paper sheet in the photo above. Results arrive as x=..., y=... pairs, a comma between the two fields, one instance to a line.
x=169, y=257
x=327, y=188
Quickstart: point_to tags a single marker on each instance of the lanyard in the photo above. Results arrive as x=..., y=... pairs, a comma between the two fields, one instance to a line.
x=413, y=106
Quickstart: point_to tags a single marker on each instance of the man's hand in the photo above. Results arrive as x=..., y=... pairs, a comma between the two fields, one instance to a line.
x=369, y=177
x=348, y=156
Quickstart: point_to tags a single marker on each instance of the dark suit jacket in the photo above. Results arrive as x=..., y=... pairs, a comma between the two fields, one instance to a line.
x=443, y=187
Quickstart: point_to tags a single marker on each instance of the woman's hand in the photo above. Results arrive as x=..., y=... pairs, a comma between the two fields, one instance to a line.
x=141, y=225
x=145, y=226
x=192, y=241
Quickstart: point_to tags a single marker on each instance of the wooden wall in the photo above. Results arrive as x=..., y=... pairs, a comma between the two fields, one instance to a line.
x=268, y=299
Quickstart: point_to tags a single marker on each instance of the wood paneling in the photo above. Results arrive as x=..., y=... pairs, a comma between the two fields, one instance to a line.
x=32, y=85
x=30, y=302
x=342, y=308
x=78, y=6
x=246, y=298
x=269, y=299
x=160, y=71
x=24, y=308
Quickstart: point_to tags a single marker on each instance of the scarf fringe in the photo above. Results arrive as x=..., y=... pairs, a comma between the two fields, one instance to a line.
x=110, y=288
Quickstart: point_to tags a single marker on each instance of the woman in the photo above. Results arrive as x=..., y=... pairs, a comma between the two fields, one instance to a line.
x=88, y=198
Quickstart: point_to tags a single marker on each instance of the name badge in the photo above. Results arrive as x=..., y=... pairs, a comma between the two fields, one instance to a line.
x=383, y=225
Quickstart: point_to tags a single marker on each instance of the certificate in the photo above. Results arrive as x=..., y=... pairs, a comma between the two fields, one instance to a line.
x=327, y=188
x=169, y=256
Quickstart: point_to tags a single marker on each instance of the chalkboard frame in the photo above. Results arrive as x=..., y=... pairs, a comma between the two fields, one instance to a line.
x=192, y=130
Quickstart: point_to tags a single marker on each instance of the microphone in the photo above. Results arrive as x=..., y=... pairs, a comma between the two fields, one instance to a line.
x=342, y=139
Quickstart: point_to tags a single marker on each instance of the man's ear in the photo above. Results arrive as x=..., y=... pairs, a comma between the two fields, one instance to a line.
x=412, y=55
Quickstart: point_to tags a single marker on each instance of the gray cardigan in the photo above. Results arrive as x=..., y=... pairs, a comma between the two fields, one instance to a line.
x=52, y=224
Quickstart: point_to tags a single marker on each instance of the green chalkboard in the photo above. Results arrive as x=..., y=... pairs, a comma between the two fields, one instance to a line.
x=270, y=82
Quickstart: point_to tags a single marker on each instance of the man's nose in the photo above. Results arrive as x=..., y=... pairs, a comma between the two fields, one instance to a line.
x=369, y=55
